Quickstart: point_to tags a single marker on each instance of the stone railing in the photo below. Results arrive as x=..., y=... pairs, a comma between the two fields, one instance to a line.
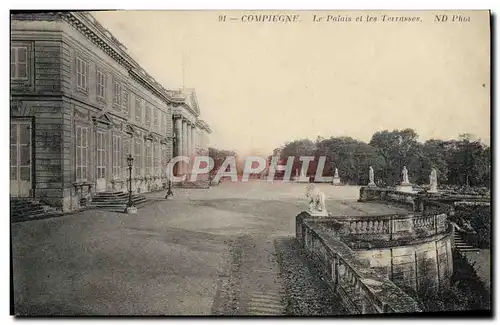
x=419, y=202
x=361, y=289
x=368, y=193
x=384, y=230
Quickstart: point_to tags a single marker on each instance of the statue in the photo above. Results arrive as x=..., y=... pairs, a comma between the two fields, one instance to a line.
x=316, y=201
x=371, y=176
x=405, y=176
x=433, y=181
x=336, y=178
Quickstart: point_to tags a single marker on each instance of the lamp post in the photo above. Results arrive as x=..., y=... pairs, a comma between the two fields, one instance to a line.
x=169, y=182
x=171, y=170
x=130, y=204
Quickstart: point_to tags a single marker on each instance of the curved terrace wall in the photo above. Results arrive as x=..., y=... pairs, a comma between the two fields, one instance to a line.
x=414, y=250
x=362, y=289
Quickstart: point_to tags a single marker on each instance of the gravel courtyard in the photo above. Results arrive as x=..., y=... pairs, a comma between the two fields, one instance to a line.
x=228, y=250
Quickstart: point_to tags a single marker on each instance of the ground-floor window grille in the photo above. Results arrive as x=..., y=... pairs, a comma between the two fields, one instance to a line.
x=101, y=140
x=81, y=153
x=148, y=157
x=138, y=158
x=126, y=143
x=157, y=159
x=117, y=153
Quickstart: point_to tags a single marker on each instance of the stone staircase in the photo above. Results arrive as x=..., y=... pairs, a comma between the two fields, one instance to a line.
x=115, y=200
x=461, y=245
x=200, y=184
x=29, y=209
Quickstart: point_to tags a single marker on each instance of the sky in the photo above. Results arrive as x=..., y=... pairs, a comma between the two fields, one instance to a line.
x=260, y=84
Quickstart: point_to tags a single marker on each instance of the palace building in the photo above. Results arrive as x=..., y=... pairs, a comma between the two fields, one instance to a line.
x=80, y=105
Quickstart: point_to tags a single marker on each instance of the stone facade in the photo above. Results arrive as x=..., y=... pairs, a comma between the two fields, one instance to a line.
x=79, y=106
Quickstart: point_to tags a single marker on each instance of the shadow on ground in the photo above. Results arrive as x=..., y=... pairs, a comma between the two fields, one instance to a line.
x=306, y=293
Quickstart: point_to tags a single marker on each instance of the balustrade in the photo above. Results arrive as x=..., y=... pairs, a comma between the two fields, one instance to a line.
x=360, y=288
x=386, y=227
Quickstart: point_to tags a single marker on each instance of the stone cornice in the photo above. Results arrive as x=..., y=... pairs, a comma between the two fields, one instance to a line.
x=87, y=25
x=204, y=126
x=189, y=108
x=148, y=82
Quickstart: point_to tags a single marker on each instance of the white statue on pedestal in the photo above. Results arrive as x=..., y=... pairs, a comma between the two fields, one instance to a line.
x=336, y=178
x=433, y=181
x=405, y=184
x=371, y=176
x=316, y=199
x=405, y=176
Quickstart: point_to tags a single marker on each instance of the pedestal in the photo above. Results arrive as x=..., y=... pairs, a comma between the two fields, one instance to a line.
x=336, y=181
x=131, y=210
x=433, y=189
x=316, y=213
x=372, y=184
x=405, y=187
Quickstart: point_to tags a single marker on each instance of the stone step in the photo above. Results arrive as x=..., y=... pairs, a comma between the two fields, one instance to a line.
x=16, y=213
x=193, y=185
x=136, y=199
x=27, y=217
x=115, y=206
x=464, y=246
x=109, y=193
x=110, y=196
x=25, y=205
x=23, y=210
x=472, y=249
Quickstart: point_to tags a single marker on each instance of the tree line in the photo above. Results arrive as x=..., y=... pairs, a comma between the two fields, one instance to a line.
x=464, y=161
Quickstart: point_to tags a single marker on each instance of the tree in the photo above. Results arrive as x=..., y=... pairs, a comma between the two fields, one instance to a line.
x=469, y=162
x=433, y=156
x=304, y=147
x=353, y=158
x=219, y=156
x=397, y=148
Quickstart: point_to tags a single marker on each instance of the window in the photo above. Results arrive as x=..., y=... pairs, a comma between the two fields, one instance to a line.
x=117, y=87
x=19, y=62
x=102, y=161
x=101, y=85
x=148, y=157
x=138, y=109
x=147, y=115
x=117, y=153
x=157, y=159
x=126, y=151
x=138, y=157
x=126, y=104
x=81, y=153
x=155, y=119
x=163, y=123
x=81, y=73
x=163, y=163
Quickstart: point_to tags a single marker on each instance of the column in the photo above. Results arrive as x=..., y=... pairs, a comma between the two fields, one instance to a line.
x=193, y=138
x=178, y=136
x=184, y=137
x=189, y=143
x=184, y=143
